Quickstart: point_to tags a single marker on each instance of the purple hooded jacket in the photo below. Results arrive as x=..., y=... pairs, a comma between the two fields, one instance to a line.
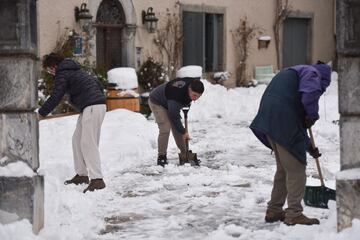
x=313, y=81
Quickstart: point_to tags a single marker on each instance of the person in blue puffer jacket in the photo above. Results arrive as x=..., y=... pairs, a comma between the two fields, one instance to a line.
x=87, y=97
x=289, y=106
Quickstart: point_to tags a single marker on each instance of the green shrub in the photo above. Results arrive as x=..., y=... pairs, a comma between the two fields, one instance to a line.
x=151, y=74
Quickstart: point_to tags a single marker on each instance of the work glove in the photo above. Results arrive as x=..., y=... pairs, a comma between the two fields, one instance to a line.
x=314, y=152
x=308, y=122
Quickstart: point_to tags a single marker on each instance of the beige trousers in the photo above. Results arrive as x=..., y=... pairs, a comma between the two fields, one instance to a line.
x=289, y=182
x=164, y=124
x=85, y=141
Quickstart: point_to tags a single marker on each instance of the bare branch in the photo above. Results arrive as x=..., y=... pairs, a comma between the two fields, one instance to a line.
x=242, y=37
x=169, y=41
x=283, y=10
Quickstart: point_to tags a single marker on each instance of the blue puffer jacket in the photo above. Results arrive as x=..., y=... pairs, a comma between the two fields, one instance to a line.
x=84, y=90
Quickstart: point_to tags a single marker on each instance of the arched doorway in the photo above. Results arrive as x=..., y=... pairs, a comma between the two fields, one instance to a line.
x=110, y=24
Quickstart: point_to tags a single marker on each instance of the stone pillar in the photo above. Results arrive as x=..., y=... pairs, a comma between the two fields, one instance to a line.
x=348, y=48
x=20, y=196
x=128, y=45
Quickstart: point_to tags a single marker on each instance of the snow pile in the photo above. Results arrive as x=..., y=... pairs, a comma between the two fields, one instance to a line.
x=16, y=169
x=230, y=104
x=191, y=71
x=350, y=174
x=127, y=93
x=124, y=77
x=127, y=138
x=221, y=77
x=324, y=232
x=223, y=199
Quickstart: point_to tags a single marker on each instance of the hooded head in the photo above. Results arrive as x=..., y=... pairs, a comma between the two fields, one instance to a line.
x=325, y=73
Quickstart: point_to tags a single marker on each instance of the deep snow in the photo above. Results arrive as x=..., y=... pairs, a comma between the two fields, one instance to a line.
x=223, y=199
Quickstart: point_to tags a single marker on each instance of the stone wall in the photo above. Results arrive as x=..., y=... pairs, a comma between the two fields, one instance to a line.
x=20, y=196
x=348, y=49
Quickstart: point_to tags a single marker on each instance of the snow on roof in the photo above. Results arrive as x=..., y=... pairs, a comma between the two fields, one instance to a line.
x=265, y=38
x=191, y=71
x=124, y=77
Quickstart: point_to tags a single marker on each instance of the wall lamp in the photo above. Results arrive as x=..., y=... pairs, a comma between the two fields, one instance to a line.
x=149, y=20
x=83, y=16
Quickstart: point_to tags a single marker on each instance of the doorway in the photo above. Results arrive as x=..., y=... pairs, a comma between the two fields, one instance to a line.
x=110, y=22
x=296, y=41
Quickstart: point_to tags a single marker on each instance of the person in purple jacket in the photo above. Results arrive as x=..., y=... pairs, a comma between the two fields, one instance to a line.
x=290, y=105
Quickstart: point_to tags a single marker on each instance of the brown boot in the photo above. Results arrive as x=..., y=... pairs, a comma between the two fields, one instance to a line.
x=272, y=216
x=302, y=219
x=77, y=179
x=95, y=184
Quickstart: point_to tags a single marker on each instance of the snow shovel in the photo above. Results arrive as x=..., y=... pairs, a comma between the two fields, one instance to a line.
x=318, y=196
x=188, y=156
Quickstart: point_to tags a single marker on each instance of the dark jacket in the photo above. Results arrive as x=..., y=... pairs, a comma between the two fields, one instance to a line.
x=291, y=95
x=173, y=96
x=84, y=90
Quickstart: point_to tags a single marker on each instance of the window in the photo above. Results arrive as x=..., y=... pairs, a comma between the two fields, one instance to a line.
x=203, y=40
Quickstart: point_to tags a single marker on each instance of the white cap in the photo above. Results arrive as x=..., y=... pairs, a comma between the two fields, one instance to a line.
x=191, y=71
x=123, y=77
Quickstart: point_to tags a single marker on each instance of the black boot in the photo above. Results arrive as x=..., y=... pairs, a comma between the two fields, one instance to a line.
x=162, y=160
x=77, y=179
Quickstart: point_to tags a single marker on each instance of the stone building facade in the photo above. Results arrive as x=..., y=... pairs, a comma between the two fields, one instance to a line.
x=307, y=34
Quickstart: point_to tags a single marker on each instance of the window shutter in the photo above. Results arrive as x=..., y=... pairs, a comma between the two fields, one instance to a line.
x=213, y=42
x=193, y=43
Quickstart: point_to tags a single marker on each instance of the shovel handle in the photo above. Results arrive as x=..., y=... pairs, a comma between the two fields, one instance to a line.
x=316, y=159
x=185, y=111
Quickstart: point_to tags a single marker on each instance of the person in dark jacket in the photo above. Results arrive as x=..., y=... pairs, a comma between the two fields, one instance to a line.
x=87, y=97
x=165, y=102
x=289, y=106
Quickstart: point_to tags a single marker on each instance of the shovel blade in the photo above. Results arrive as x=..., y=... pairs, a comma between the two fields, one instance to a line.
x=318, y=196
x=190, y=157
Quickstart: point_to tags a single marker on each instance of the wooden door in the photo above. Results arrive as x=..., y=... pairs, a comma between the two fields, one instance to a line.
x=108, y=47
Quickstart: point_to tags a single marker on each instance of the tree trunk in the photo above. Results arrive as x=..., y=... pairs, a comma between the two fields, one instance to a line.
x=241, y=75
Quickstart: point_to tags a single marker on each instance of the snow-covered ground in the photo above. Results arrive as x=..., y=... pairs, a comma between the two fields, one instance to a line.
x=223, y=199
